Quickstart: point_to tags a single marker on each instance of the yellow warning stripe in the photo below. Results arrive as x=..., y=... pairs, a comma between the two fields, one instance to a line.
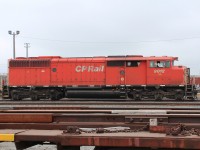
x=7, y=137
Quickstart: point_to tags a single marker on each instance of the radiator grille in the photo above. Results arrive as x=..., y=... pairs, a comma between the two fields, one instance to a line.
x=29, y=63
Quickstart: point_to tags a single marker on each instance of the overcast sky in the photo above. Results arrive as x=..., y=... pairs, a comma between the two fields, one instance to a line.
x=71, y=28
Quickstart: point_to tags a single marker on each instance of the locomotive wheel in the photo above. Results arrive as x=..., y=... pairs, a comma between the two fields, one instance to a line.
x=158, y=97
x=130, y=96
x=137, y=96
x=34, y=97
x=54, y=96
x=15, y=97
x=179, y=97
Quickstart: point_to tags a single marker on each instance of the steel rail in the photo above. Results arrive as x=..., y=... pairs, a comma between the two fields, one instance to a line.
x=103, y=111
x=100, y=101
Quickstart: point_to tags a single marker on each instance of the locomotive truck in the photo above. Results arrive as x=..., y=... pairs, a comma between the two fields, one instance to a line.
x=132, y=76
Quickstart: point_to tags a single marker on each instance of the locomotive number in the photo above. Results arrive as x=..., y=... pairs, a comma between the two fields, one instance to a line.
x=159, y=71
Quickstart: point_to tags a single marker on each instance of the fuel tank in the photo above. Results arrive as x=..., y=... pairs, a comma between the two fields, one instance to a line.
x=92, y=94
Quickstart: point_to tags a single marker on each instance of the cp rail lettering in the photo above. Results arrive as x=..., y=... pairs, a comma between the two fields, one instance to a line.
x=89, y=69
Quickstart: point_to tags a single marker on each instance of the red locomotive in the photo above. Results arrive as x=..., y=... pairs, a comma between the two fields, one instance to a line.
x=132, y=76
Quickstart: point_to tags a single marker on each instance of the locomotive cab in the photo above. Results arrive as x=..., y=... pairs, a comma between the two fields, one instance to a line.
x=162, y=72
x=170, y=81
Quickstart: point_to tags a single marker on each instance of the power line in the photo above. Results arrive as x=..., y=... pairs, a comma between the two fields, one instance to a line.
x=113, y=42
x=44, y=39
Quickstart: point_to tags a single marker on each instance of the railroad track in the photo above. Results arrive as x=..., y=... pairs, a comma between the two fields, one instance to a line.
x=72, y=122
x=99, y=105
x=102, y=101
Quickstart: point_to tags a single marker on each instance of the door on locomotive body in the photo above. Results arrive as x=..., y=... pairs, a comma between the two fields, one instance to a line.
x=158, y=72
x=135, y=72
x=115, y=72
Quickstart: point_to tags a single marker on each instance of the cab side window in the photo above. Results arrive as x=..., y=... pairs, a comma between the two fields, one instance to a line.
x=132, y=63
x=159, y=64
x=115, y=63
x=167, y=64
x=151, y=64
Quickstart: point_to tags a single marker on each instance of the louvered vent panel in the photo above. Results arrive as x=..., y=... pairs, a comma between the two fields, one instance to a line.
x=29, y=63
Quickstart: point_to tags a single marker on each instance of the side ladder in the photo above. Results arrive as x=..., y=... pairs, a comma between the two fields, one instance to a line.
x=5, y=92
x=190, y=92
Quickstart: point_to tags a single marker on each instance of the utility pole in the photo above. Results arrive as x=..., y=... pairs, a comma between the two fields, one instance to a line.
x=13, y=33
x=26, y=45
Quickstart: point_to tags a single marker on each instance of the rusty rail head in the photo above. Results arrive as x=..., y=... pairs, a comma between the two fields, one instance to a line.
x=55, y=111
x=25, y=118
